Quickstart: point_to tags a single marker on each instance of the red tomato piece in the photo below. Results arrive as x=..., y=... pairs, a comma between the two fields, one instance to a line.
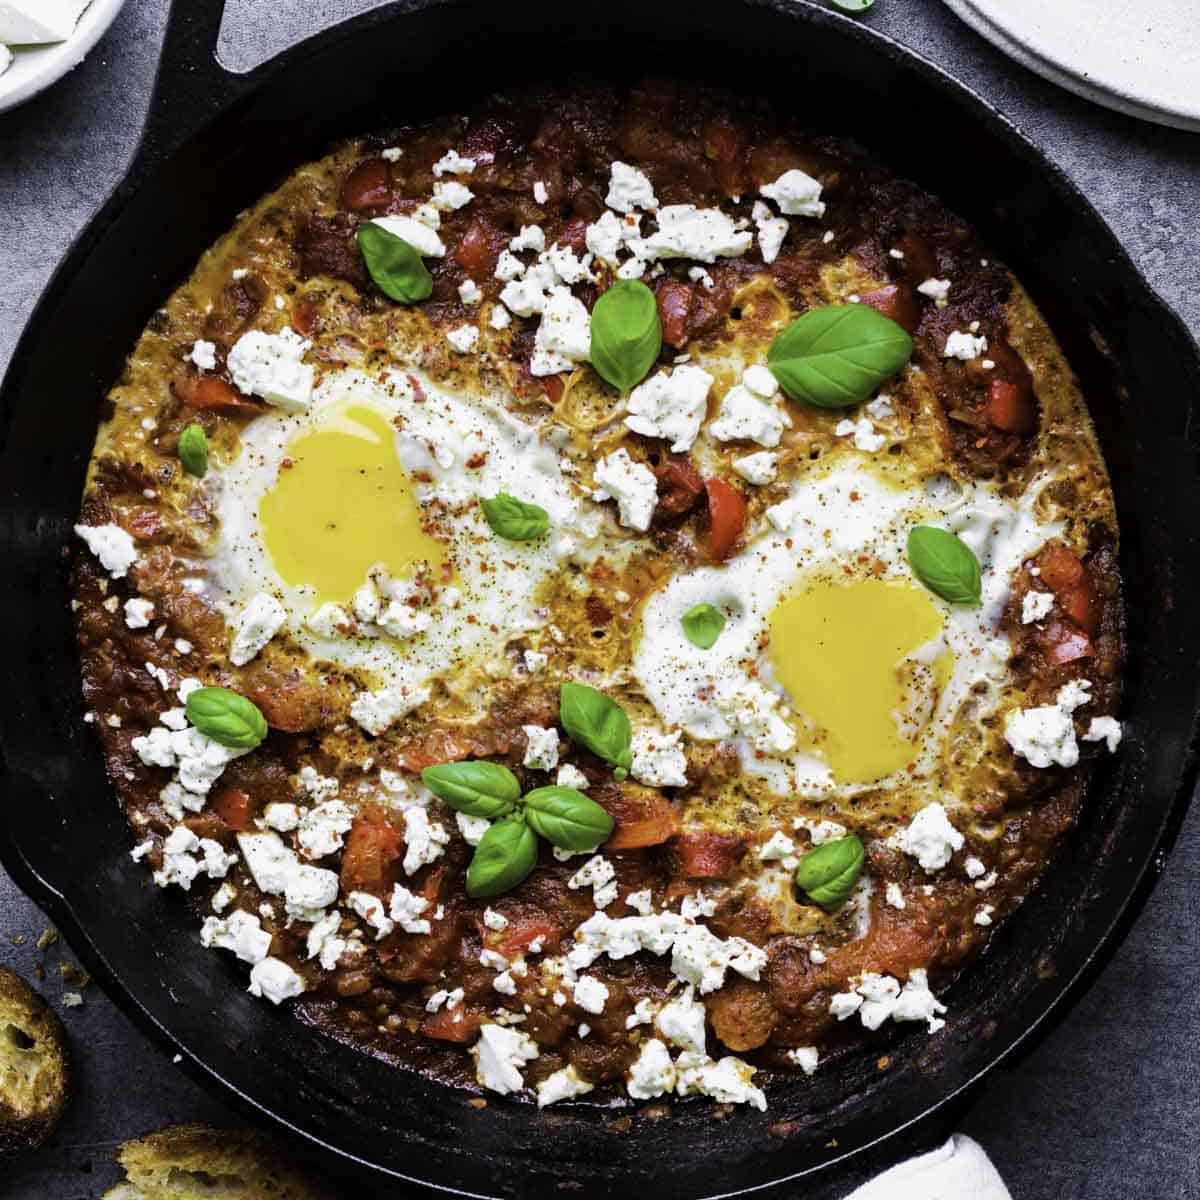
x=642, y=818
x=1062, y=643
x=679, y=485
x=233, y=807
x=898, y=301
x=451, y=1024
x=702, y=854
x=371, y=847
x=479, y=249
x=209, y=391
x=368, y=185
x=1067, y=577
x=725, y=147
x=726, y=517
x=674, y=307
x=1010, y=408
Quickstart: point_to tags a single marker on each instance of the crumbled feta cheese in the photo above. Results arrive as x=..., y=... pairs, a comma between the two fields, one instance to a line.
x=759, y=468
x=464, y=339
x=701, y=276
x=658, y=758
x=469, y=292
x=629, y=189
x=984, y=914
x=223, y=897
x=268, y=860
x=501, y=318
x=1035, y=606
x=322, y=828
x=974, y=867
x=865, y=436
x=797, y=194
x=806, y=1058
x=671, y=406
x=652, y=1073
x=204, y=355
x=499, y=1055
x=138, y=613
x=964, y=346
x=746, y=415
x=531, y=237
x=425, y=840
x=541, y=748
x=1045, y=735
x=697, y=905
x=938, y=290
x=371, y=910
x=450, y=196
x=452, y=163
x=778, y=846
x=877, y=997
x=472, y=828
x=929, y=838
x=323, y=942
x=275, y=980
x=701, y=958
x=642, y=902
x=240, y=933
x=271, y=366
x=682, y=1022
x=632, y=485
x=540, y=194
x=378, y=710
x=310, y=890
x=610, y=233
x=418, y=234
x=111, y=545
x=772, y=231
x=572, y=777
x=894, y=895
x=1104, y=729
x=590, y=994
x=494, y=920
x=319, y=787
x=259, y=622
x=509, y=267
x=562, y=1085
x=600, y=875
x=705, y=234
x=564, y=336
x=406, y=909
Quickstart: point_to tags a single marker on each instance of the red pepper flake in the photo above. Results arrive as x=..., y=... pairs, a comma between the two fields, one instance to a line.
x=477, y=460
x=854, y=496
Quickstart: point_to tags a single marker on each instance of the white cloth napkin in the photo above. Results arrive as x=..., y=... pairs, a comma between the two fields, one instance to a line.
x=959, y=1170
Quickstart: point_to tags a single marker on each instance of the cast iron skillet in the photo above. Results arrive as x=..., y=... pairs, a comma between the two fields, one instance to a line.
x=215, y=142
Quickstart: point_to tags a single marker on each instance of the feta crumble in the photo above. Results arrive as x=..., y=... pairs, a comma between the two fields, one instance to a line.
x=929, y=838
x=1035, y=606
x=1106, y=730
x=111, y=545
x=275, y=980
x=464, y=339
x=759, y=468
x=632, y=485
x=964, y=346
x=797, y=194
x=629, y=189
x=705, y=234
x=1045, y=735
x=204, y=355
x=670, y=406
x=938, y=290
x=271, y=366
x=541, y=748
x=565, y=1084
x=772, y=231
x=590, y=994
x=259, y=622
x=658, y=758
x=499, y=1055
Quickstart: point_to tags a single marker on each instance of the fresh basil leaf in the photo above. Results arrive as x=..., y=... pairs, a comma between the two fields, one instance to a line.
x=827, y=875
x=193, y=450
x=514, y=519
x=394, y=265
x=626, y=333
x=945, y=564
x=479, y=789
x=703, y=624
x=505, y=856
x=567, y=818
x=598, y=722
x=853, y=6
x=226, y=717
x=838, y=355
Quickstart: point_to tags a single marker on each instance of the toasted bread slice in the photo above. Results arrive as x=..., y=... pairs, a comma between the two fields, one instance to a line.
x=34, y=1074
x=194, y=1162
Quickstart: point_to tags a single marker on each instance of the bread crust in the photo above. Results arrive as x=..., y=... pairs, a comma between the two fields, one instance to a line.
x=34, y=1066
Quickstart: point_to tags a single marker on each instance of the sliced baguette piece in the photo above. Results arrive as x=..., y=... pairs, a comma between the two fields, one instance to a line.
x=196, y=1162
x=34, y=1071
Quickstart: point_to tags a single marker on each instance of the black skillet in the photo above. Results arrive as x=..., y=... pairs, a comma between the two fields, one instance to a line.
x=216, y=141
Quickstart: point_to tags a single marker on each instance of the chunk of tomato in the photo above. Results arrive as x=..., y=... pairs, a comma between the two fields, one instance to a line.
x=371, y=848
x=705, y=854
x=209, y=391
x=726, y=517
x=1010, y=408
x=674, y=307
x=233, y=807
x=367, y=185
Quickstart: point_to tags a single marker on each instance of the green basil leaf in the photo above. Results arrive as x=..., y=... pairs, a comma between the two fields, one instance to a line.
x=703, y=624
x=945, y=564
x=828, y=874
x=514, y=519
x=567, y=818
x=479, y=789
x=853, y=6
x=626, y=333
x=193, y=450
x=226, y=717
x=394, y=265
x=505, y=856
x=594, y=720
x=838, y=355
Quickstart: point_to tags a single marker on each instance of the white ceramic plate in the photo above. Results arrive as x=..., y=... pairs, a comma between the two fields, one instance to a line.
x=35, y=68
x=1140, y=57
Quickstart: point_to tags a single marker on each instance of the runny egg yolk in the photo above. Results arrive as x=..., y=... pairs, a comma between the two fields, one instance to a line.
x=839, y=649
x=342, y=505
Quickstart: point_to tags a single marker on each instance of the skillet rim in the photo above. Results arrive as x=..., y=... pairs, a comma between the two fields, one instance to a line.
x=154, y=146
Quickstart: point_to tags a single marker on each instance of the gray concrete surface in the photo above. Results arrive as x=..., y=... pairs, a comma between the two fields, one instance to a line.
x=1109, y=1104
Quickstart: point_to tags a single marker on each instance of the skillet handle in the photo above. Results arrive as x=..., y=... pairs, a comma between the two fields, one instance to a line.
x=190, y=85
